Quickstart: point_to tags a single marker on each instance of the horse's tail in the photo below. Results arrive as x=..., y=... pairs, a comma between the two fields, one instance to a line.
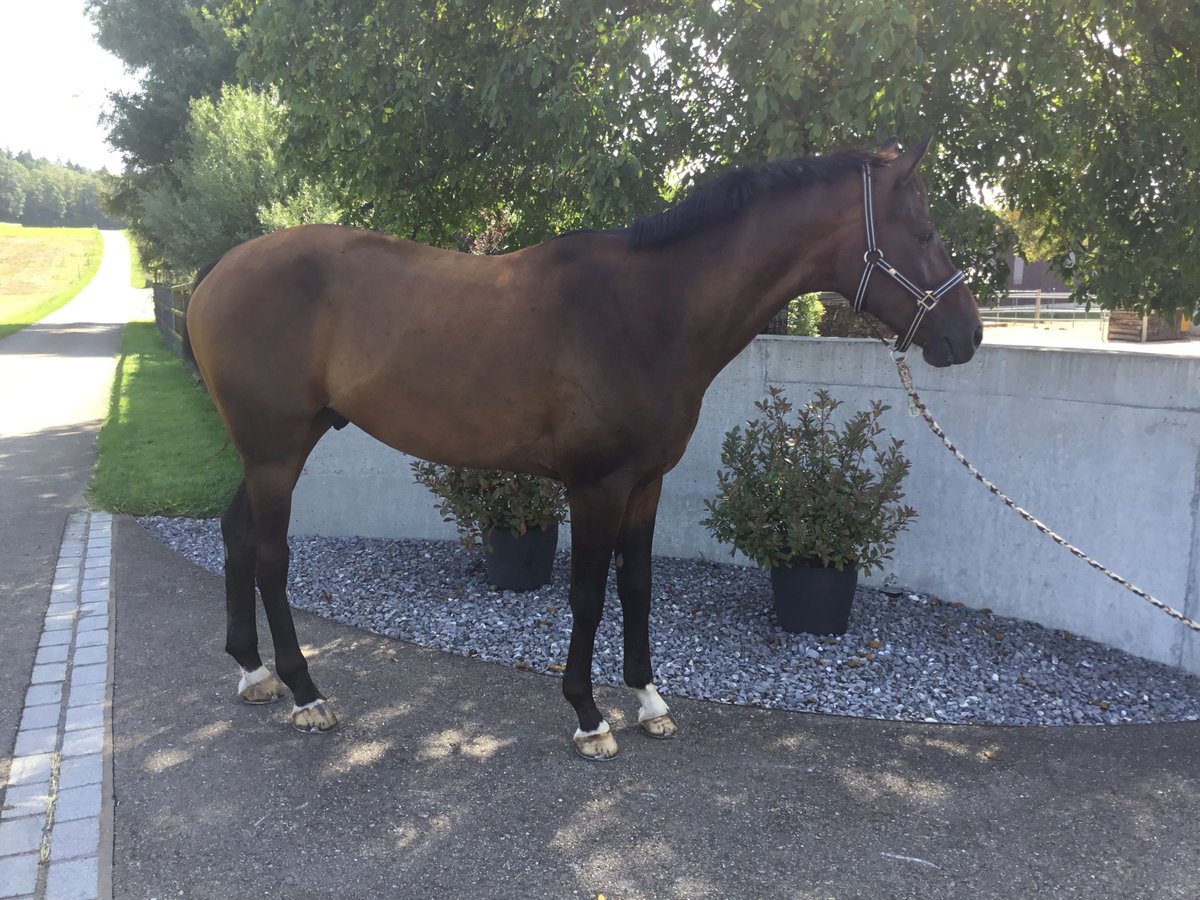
x=185, y=341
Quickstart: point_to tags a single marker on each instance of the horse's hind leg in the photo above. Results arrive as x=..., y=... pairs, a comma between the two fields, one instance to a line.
x=269, y=486
x=634, y=544
x=257, y=684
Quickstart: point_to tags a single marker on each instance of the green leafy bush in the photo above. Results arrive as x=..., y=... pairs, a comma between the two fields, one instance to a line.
x=809, y=491
x=478, y=499
x=804, y=315
x=228, y=183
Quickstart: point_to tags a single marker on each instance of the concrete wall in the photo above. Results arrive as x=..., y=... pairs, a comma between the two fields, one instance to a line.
x=1102, y=446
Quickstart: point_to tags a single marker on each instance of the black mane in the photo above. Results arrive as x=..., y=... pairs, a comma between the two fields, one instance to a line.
x=727, y=195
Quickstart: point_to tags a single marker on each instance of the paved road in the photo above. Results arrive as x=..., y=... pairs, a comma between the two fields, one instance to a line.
x=455, y=778
x=55, y=383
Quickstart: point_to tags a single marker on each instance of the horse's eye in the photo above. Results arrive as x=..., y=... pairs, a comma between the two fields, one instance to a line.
x=925, y=236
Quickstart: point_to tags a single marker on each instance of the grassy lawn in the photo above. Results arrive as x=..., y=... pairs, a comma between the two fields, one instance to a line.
x=138, y=276
x=163, y=449
x=41, y=269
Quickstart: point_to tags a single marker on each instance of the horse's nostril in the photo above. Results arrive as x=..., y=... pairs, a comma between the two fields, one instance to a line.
x=978, y=336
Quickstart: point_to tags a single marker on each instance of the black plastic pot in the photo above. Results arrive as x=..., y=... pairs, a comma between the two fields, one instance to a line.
x=813, y=599
x=519, y=563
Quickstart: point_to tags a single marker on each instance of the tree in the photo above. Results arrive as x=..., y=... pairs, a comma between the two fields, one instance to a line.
x=201, y=161
x=12, y=188
x=42, y=193
x=45, y=203
x=1083, y=114
x=439, y=117
x=435, y=116
x=230, y=185
x=1109, y=168
x=180, y=51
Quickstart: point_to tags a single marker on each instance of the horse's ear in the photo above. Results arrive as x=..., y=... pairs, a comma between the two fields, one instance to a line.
x=906, y=163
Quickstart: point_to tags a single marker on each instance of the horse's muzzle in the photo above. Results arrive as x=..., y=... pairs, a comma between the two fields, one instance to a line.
x=952, y=349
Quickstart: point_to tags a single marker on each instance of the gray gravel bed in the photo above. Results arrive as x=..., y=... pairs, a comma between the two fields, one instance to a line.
x=909, y=658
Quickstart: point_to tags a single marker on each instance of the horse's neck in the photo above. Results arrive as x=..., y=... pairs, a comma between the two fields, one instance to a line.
x=732, y=281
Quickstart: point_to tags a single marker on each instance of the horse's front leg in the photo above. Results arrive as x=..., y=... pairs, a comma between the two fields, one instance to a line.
x=634, y=546
x=270, y=495
x=595, y=520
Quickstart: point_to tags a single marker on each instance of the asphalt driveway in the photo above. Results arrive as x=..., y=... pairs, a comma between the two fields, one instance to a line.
x=455, y=778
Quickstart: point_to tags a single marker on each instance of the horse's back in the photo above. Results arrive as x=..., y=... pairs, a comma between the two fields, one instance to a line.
x=297, y=265
x=274, y=293
x=469, y=360
x=388, y=333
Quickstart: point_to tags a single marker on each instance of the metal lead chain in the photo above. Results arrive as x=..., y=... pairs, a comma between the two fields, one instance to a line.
x=917, y=404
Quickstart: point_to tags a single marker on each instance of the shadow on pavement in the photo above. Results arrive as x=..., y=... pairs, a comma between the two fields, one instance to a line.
x=452, y=777
x=60, y=340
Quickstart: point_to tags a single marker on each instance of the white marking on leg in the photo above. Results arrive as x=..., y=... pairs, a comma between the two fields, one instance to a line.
x=652, y=705
x=316, y=717
x=597, y=744
x=603, y=729
x=251, y=678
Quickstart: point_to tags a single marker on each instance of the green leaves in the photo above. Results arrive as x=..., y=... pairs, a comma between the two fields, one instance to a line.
x=426, y=117
x=809, y=489
x=228, y=185
x=478, y=499
x=180, y=52
x=440, y=113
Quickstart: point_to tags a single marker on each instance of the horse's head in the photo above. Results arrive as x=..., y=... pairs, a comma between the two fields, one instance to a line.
x=902, y=245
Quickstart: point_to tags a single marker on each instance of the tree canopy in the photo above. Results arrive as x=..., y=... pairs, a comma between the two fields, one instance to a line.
x=39, y=192
x=180, y=51
x=439, y=116
x=228, y=185
x=439, y=120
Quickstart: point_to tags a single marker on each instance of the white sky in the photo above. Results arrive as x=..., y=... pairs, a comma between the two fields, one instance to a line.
x=55, y=83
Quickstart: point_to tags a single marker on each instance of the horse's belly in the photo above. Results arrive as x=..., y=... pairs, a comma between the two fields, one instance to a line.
x=477, y=434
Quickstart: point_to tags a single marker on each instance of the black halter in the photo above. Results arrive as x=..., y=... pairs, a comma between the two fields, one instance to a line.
x=926, y=300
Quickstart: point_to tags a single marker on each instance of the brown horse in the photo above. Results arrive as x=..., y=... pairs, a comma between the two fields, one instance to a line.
x=584, y=358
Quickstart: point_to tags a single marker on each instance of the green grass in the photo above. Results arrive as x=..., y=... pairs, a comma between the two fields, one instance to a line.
x=138, y=276
x=41, y=269
x=163, y=449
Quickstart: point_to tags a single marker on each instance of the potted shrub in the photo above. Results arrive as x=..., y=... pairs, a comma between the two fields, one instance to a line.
x=516, y=516
x=814, y=502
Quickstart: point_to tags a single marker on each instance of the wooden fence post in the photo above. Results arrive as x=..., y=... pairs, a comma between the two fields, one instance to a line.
x=170, y=313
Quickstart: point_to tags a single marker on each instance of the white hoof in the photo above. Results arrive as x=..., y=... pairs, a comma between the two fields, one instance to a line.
x=315, y=718
x=259, y=686
x=653, y=714
x=596, y=745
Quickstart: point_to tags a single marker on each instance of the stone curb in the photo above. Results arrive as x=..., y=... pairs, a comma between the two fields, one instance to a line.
x=56, y=828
